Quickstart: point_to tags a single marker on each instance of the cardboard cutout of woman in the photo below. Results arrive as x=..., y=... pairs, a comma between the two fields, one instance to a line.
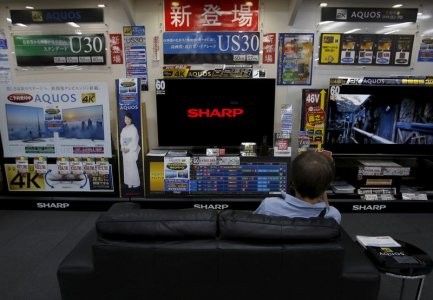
x=130, y=148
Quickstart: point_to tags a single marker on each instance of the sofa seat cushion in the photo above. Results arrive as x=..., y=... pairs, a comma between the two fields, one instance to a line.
x=160, y=224
x=244, y=225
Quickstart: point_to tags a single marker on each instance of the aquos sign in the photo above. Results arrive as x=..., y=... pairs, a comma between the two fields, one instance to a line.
x=359, y=14
x=50, y=16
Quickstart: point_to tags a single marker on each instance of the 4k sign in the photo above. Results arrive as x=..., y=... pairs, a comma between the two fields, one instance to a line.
x=88, y=98
x=30, y=181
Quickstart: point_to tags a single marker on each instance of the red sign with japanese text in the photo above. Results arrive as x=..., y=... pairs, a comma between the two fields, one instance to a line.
x=211, y=15
x=313, y=115
x=269, y=42
x=116, y=48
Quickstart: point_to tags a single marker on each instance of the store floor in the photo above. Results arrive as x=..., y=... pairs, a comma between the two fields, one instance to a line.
x=32, y=244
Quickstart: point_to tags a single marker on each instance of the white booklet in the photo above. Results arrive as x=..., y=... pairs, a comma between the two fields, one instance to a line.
x=377, y=241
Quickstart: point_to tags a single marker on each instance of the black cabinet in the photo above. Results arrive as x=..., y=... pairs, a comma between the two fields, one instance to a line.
x=398, y=184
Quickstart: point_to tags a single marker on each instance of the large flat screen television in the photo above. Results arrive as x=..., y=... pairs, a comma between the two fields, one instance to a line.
x=215, y=112
x=380, y=116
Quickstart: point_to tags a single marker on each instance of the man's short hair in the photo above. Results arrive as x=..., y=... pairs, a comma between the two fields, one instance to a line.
x=312, y=174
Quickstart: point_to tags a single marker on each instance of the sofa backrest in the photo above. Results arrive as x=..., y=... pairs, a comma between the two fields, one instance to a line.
x=243, y=225
x=129, y=222
x=157, y=224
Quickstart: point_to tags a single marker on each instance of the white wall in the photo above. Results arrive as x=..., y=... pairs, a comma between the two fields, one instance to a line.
x=274, y=15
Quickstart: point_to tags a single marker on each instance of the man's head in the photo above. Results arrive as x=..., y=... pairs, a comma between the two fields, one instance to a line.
x=312, y=173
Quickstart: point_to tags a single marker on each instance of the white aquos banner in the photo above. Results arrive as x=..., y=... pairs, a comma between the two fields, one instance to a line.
x=55, y=119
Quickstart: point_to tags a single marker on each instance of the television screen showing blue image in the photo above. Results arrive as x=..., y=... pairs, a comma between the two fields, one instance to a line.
x=389, y=119
x=26, y=123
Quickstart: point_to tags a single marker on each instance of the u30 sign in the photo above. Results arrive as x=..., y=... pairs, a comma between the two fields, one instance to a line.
x=211, y=47
x=52, y=50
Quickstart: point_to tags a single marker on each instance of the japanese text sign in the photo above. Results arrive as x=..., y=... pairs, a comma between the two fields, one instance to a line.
x=215, y=15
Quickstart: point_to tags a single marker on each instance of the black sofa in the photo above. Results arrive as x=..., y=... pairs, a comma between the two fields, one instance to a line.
x=193, y=254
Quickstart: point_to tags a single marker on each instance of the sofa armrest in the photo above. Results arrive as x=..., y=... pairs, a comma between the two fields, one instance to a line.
x=75, y=272
x=361, y=279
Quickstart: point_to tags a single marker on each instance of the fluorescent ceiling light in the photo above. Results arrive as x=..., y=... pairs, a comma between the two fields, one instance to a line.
x=30, y=7
x=353, y=30
x=323, y=4
x=101, y=5
x=392, y=31
x=399, y=24
x=73, y=24
x=325, y=22
x=397, y=5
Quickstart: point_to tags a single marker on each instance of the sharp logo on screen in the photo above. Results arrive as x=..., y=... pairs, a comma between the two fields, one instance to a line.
x=214, y=112
x=52, y=205
x=211, y=206
x=369, y=207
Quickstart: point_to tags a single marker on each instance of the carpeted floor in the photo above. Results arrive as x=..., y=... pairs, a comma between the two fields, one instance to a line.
x=32, y=244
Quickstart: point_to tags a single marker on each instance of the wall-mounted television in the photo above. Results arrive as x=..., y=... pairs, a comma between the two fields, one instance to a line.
x=200, y=113
x=369, y=115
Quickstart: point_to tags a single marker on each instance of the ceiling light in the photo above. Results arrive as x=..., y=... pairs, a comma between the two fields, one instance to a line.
x=398, y=24
x=30, y=7
x=73, y=24
x=353, y=30
x=397, y=5
x=392, y=31
x=325, y=22
x=101, y=5
x=323, y=4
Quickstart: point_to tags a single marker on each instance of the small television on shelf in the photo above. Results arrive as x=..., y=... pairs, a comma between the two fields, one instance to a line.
x=391, y=115
x=198, y=113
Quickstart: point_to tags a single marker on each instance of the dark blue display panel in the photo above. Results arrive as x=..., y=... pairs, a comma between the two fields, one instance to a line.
x=252, y=177
x=247, y=178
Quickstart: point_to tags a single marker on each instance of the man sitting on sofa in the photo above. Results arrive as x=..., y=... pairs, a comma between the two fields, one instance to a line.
x=312, y=173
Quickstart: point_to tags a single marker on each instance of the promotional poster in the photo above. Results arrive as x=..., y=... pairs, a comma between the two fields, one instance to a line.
x=55, y=119
x=211, y=47
x=314, y=115
x=53, y=50
x=130, y=137
x=63, y=176
x=366, y=49
x=295, y=58
x=134, y=40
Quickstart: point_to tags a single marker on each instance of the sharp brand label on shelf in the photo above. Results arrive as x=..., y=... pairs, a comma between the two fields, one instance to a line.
x=52, y=205
x=211, y=206
x=368, y=207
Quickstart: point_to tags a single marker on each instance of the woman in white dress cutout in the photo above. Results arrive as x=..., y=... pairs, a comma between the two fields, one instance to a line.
x=130, y=148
